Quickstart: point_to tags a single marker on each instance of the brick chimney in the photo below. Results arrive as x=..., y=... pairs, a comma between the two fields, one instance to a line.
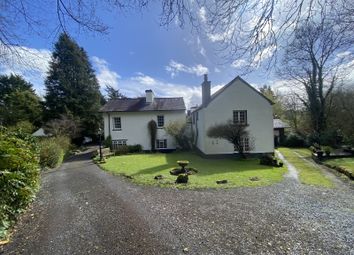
x=149, y=96
x=205, y=91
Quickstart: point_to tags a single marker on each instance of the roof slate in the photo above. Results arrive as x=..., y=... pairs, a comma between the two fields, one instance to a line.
x=278, y=123
x=140, y=105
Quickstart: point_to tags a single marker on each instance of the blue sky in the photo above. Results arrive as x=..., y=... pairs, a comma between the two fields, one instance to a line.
x=139, y=54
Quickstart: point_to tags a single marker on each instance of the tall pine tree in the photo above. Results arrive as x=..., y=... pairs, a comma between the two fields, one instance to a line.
x=71, y=86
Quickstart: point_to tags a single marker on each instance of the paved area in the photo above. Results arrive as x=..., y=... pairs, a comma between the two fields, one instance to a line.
x=84, y=210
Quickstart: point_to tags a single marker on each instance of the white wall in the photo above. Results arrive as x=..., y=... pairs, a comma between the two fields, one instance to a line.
x=135, y=129
x=237, y=96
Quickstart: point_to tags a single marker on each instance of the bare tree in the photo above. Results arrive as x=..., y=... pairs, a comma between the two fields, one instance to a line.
x=234, y=133
x=315, y=60
x=66, y=125
x=293, y=111
x=49, y=18
x=249, y=29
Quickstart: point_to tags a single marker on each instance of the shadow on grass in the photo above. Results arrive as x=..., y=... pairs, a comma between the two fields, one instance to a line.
x=204, y=166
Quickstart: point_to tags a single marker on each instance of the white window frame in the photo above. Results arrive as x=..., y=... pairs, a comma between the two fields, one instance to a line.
x=245, y=142
x=117, y=125
x=159, y=117
x=160, y=142
x=240, y=117
x=119, y=142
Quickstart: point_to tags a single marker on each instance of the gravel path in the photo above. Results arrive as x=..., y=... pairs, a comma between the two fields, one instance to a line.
x=292, y=171
x=82, y=210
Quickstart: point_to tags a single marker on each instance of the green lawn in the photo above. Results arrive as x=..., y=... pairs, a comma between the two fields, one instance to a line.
x=303, y=152
x=143, y=168
x=347, y=163
x=308, y=173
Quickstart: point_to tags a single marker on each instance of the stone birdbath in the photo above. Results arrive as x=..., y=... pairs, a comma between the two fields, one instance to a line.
x=183, y=164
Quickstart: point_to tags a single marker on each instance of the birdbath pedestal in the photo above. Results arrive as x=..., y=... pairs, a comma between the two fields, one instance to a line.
x=183, y=164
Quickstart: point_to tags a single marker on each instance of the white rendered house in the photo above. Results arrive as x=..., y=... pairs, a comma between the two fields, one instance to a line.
x=239, y=102
x=126, y=120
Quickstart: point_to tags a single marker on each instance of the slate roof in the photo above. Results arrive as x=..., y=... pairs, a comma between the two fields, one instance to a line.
x=278, y=123
x=213, y=96
x=140, y=105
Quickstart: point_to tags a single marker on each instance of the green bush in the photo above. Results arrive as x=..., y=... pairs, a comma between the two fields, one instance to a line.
x=108, y=142
x=327, y=150
x=269, y=160
x=19, y=175
x=294, y=140
x=329, y=137
x=23, y=126
x=135, y=148
x=312, y=149
x=64, y=142
x=53, y=151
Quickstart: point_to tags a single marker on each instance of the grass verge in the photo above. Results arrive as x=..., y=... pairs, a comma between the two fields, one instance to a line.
x=142, y=168
x=347, y=164
x=308, y=173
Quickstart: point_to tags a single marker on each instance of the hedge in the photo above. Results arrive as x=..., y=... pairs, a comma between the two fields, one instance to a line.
x=52, y=151
x=19, y=175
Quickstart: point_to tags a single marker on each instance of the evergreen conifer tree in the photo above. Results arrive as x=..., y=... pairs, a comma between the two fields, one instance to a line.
x=71, y=86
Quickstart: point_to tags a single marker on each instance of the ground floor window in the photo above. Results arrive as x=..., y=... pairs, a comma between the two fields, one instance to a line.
x=161, y=143
x=119, y=142
x=245, y=143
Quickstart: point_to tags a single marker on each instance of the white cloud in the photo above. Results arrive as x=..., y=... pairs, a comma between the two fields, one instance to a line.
x=215, y=88
x=202, y=14
x=32, y=64
x=239, y=63
x=264, y=54
x=201, y=48
x=174, y=68
x=135, y=86
x=105, y=76
x=217, y=70
x=144, y=79
x=218, y=37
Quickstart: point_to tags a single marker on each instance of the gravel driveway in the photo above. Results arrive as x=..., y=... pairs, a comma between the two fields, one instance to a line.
x=82, y=209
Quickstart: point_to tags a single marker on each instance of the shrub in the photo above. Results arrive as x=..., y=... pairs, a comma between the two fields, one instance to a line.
x=53, y=150
x=182, y=178
x=328, y=137
x=294, y=140
x=136, y=148
x=312, y=148
x=19, y=175
x=327, y=150
x=64, y=142
x=23, y=126
x=177, y=129
x=269, y=160
x=108, y=142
